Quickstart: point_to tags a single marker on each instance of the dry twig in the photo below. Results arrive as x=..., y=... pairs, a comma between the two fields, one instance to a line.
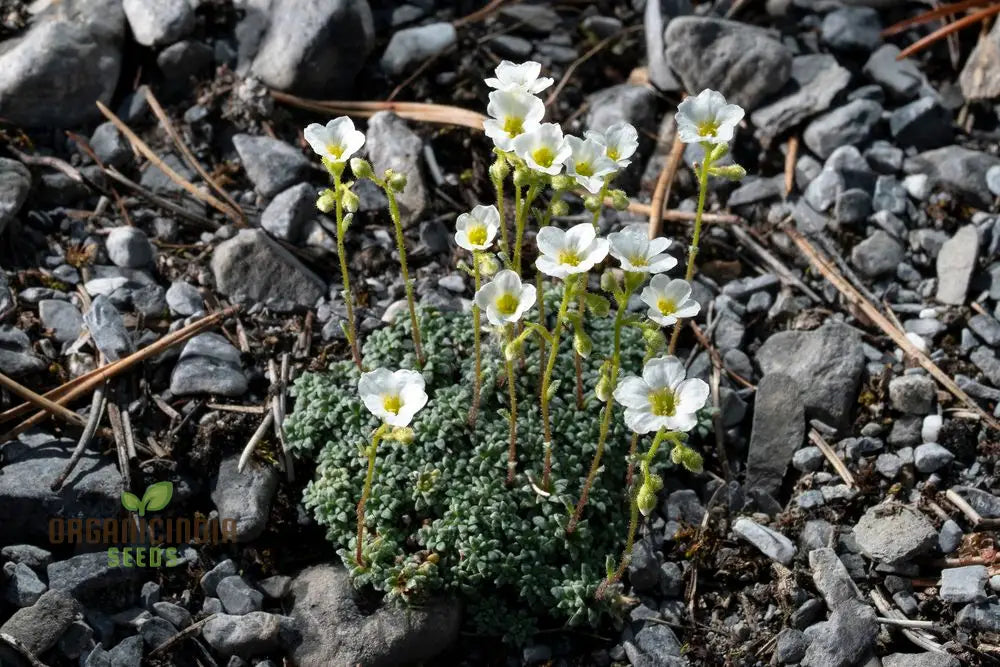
x=431, y=113
x=832, y=457
x=664, y=182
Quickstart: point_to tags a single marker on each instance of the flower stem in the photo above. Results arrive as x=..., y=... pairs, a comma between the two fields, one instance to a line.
x=366, y=493
x=504, y=240
x=522, y=207
x=602, y=437
x=401, y=245
x=352, y=333
x=695, y=238
x=512, y=450
x=547, y=377
x=476, y=333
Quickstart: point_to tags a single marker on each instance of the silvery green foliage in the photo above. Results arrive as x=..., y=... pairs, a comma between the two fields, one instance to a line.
x=440, y=515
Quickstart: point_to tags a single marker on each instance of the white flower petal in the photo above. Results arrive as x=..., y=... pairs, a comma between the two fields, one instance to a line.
x=663, y=372
x=691, y=395
x=632, y=392
x=550, y=240
x=641, y=421
x=681, y=422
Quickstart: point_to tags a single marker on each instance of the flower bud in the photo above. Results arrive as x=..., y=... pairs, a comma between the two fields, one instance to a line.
x=634, y=280
x=718, y=152
x=488, y=264
x=687, y=457
x=733, y=172
x=499, y=170
x=646, y=499
x=592, y=203
x=395, y=180
x=402, y=434
x=619, y=200
x=361, y=168
x=563, y=182
x=604, y=388
x=608, y=281
x=560, y=208
x=327, y=201
x=655, y=340
x=522, y=177
x=598, y=305
x=582, y=344
x=512, y=349
x=350, y=201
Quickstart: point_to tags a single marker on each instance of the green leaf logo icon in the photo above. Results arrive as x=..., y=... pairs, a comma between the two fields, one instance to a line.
x=157, y=497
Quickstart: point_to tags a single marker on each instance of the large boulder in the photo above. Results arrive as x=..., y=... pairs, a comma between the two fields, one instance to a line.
x=393, y=145
x=70, y=58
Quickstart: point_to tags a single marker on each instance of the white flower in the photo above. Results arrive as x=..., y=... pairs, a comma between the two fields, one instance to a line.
x=669, y=300
x=476, y=230
x=587, y=163
x=543, y=148
x=661, y=398
x=337, y=142
x=511, y=115
x=575, y=250
x=707, y=118
x=393, y=397
x=638, y=253
x=620, y=142
x=504, y=298
x=521, y=78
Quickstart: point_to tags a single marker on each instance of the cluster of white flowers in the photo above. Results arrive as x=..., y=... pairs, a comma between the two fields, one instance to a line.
x=515, y=125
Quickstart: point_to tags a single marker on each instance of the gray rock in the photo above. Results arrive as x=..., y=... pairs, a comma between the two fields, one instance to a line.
x=159, y=23
x=816, y=80
x=987, y=328
x=156, y=632
x=902, y=79
x=23, y=585
x=512, y=47
x=315, y=47
x=929, y=659
x=980, y=77
x=62, y=317
x=950, y=537
x=276, y=587
x=852, y=29
x=149, y=594
x=107, y=329
x=923, y=124
x=89, y=577
x=964, y=584
x=177, y=615
x=791, y=646
x=286, y=216
x=889, y=465
x=852, y=207
x=246, y=636
x=16, y=357
x=884, y=157
x=40, y=626
x=743, y=62
x=826, y=364
x=208, y=364
x=411, y=46
x=654, y=644
x=184, y=299
x=984, y=616
x=271, y=164
x=913, y=394
x=335, y=631
x=644, y=567
x=958, y=170
x=210, y=580
x=184, y=60
x=986, y=504
x=931, y=457
x=150, y=300
x=955, y=264
x=34, y=557
x=849, y=163
x=15, y=182
x=237, y=597
x=251, y=268
x=778, y=431
x=393, y=145
x=157, y=180
x=754, y=189
x=807, y=459
x=988, y=363
x=109, y=145
x=893, y=533
x=850, y=124
x=31, y=464
x=129, y=246
x=244, y=496
x=75, y=43
x=127, y=653
x=654, y=20
x=816, y=534
x=877, y=255
x=823, y=191
x=770, y=542
x=889, y=196
x=535, y=19
x=843, y=640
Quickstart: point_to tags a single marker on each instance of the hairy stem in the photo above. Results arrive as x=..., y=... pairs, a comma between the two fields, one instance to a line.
x=504, y=240
x=352, y=332
x=522, y=208
x=477, y=336
x=401, y=245
x=602, y=437
x=547, y=377
x=366, y=493
x=512, y=450
x=695, y=238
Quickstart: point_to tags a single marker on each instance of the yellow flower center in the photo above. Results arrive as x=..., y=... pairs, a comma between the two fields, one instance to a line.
x=477, y=234
x=662, y=402
x=613, y=153
x=584, y=169
x=513, y=125
x=708, y=128
x=638, y=260
x=666, y=306
x=543, y=156
x=392, y=403
x=336, y=150
x=507, y=304
x=569, y=257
